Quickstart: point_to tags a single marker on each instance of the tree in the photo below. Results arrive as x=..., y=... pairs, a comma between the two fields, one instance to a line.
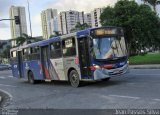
x=80, y=26
x=141, y=25
x=24, y=38
x=5, y=53
x=56, y=33
x=153, y=3
x=2, y=44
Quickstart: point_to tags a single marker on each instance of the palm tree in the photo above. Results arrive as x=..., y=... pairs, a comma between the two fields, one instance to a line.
x=2, y=44
x=153, y=3
x=80, y=26
x=24, y=38
x=5, y=53
x=56, y=33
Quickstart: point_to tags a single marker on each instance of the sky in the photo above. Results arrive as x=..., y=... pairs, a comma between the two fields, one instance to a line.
x=36, y=6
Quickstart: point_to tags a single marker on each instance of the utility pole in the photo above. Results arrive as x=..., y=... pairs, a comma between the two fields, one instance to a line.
x=30, y=24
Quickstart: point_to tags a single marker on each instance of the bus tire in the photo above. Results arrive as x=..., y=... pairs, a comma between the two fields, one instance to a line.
x=106, y=79
x=31, y=78
x=74, y=78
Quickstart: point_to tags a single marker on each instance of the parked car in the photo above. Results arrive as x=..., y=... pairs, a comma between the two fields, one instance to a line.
x=5, y=66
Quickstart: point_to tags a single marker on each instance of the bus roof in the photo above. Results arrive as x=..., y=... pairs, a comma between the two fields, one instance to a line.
x=78, y=34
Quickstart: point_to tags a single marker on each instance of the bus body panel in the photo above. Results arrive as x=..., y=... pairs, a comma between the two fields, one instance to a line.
x=69, y=64
x=58, y=69
x=101, y=73
x=35, y=67
x=52, y=70
x=15, y=70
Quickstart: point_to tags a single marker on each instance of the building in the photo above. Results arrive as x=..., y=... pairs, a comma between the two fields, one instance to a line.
x=47, y=17
x=95, y=17
x=67, y=21
x=87, y=19
x=54, y=25
x=17, y=29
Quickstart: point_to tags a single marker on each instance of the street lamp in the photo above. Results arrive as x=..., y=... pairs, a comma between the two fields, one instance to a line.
x=29, y=18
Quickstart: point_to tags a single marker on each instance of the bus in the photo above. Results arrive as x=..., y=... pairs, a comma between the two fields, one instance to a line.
x=88, y=55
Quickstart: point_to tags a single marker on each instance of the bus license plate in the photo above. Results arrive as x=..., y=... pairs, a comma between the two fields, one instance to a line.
x=116, y=71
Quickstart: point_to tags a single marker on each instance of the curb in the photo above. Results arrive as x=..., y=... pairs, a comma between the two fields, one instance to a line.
x=5, y=98
x=144, y=67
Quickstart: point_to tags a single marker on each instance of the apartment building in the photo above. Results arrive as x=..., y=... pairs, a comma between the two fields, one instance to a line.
x=47, y=16
x=67, y=20
x=95, y=17
x=17, y=29
x=87, y=19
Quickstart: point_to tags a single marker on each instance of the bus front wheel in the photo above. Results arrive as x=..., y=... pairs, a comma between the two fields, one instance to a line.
x=74, y=78
x=106, y=79
x=31, y=78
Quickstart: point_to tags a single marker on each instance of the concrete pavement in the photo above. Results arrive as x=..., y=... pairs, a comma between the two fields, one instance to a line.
x=0, y=99
x=137, y=89
x=5, y=98
x=148, y=66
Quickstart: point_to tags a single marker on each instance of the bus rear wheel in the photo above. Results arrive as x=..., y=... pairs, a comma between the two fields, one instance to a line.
x=31, y=78
x=74, y=78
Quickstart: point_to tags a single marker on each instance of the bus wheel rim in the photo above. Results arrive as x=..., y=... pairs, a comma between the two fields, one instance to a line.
x=74, y=79
x=31, y=78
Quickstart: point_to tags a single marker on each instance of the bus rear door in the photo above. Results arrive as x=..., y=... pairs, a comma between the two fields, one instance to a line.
x=45, y=62
x=20, y=64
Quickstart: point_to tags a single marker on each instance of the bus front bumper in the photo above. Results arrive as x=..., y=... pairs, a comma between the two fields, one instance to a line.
x=102, y=73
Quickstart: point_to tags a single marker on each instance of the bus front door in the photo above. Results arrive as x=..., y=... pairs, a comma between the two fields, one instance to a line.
x=84, y=57
x=20, y=64
x=45, y=62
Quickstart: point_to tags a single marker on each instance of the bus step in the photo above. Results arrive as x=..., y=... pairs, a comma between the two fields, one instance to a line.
x=48, y=80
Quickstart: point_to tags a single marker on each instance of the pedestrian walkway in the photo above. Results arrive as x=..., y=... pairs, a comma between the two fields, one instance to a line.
x=148, y=66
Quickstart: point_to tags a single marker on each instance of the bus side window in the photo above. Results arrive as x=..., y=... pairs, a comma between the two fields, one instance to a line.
x=26, y=54
x=35, y=49
x=69, y=47
x=35, y=54
x=56, y=51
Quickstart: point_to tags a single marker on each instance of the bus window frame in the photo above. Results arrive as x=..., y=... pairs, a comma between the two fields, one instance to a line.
x=68, y=48
x=59, y=50
x=14, y=59
x=34, y=55
x=26, y=56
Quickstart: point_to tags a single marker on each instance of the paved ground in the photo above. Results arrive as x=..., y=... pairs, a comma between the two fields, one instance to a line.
x=138, y=89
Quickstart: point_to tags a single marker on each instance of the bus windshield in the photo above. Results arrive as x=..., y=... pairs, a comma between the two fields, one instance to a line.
x=108, y=47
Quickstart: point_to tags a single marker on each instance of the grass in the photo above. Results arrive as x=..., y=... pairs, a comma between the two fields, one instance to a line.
x=146, y=59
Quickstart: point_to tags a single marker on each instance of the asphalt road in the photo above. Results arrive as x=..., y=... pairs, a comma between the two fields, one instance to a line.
x=136, y=90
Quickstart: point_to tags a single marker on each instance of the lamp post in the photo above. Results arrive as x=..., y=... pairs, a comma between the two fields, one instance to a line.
x=30, y=24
